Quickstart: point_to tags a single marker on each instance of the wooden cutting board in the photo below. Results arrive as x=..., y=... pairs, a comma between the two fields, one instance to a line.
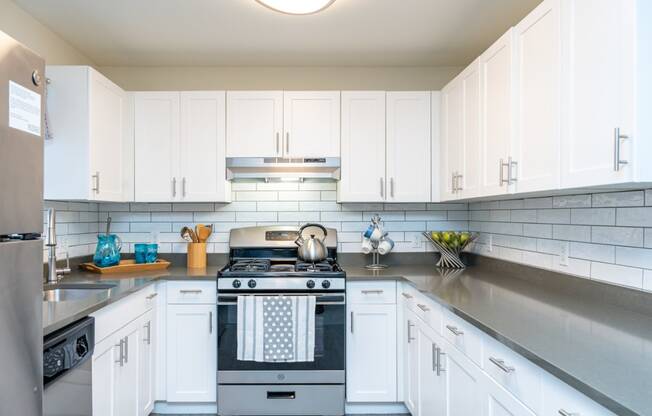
x=127, y=266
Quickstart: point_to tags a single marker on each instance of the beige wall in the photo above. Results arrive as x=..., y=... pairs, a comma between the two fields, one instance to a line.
x=280, y=78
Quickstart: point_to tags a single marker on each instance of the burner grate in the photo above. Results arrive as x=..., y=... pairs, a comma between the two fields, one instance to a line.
x=251, y=265
x=314, y=267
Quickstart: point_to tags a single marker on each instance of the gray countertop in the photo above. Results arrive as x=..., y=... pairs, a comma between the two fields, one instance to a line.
x=582, y=332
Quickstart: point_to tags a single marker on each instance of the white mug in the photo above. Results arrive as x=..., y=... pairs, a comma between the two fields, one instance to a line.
x=385, y=246
x=376, y=234
x=366, y=246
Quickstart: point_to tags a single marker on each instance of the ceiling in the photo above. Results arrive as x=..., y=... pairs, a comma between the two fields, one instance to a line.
x=242, y=32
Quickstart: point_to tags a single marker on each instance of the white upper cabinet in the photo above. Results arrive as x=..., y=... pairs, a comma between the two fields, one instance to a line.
x=180, y=147
x=202, y=147
x=599, y=45
x=156, y=127
x=497, y=128
x=89, y=151
x=254, y=123
x=538, y=86
x=311, y=121
x=363, y=147
x=408, y=146
x=452, y=124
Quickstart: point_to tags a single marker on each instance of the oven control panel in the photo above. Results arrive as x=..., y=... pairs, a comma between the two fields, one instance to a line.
x=288, y=283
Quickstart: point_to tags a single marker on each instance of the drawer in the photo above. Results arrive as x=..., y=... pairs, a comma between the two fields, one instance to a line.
x=429, y=311
x=409, y=295
x=116, y=315
x=514, y=372
x=561, y=399
x=185, y=292
x=371, y=292
x=464, y=336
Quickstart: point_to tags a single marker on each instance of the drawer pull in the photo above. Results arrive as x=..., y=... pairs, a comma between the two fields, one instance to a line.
x=281, y=395
x=406, y=296
x=152, y=296
x=409, y=332
x=563, y=412
x=423, y=307
x=185, y=291
x=439, y=367
x=454, y=330
x=501, y=364
x=372, y=292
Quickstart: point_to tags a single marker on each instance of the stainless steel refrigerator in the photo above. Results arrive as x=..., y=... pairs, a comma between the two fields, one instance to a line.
x=21, y=223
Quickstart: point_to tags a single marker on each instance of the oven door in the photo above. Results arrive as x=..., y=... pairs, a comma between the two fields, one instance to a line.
x=330, y=347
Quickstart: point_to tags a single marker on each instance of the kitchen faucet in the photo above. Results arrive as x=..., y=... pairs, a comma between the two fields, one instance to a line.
x=54, y=274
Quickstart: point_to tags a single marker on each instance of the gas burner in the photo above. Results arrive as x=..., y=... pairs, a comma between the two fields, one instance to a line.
x=251, y=265
x=281, y=268
x=314, y=267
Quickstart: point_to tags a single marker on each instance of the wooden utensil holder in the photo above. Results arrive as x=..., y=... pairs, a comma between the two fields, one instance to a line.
x=196, y=255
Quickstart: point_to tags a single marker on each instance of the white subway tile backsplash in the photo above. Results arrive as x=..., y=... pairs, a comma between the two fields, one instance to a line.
x=385, y=215
x=256, y=196
x=634, y=257
x=278, y=206
x=447, y=225
x=318, y=206
x=512, y=204
x=256, y=216
x=531, y=203
x=535, y=259
x=634, y=217
x=300, y=216
x=328, y=196
x=550, y=246
x=537, y=230
x=572, y=201
x=193, y=207
x=594, y=252
x=426, y=216
x=237, y=206
x=341, y=216
x=405, y=207
x=447, y=206
x=648, y=197
x=277, y=186
x=619, y=199
x=374, y=206
x=317, y=186
x=215, y=216
x=299, y=196
x=243, y=186
x=458, y=215
x=523, y=215
x=572, y=232
x=593, y=216
x=553, y=216
x=575, y=267
x=647, y=280
x=619, y=275
x=648, y=237
x=147, y=207
x=172, y=216
x=620, y=236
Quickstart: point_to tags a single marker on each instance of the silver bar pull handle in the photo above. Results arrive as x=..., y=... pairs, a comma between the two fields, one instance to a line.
x=174, y=187
x=96, y=182
x=434, y=357
x=185, y=291
x=618, y=137
x=502, y=166
x=126, y=349
x=513, y=168
x=453, y=187
x=148, y=326
x=121, y=359
x=287, y=143
x=409, y=331
x=406, y=295
x=563, y=412
x=454, y=330
x=210, y=322
x=278, y=141
x=423, y=307
x=372, y=292
x=501, y=364
x=382, y=187
x=459, y=180
x=391, y=187
x=152, y=296
x=440, y=369
x=183, y=187
x=351, y=321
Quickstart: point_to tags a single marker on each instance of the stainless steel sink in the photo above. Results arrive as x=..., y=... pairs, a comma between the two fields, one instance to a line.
x=65, y=292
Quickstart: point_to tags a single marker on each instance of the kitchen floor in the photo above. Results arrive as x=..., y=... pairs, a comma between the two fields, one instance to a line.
x=157, y=414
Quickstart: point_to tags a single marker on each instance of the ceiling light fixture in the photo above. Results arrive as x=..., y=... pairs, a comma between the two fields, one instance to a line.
x=297, y=6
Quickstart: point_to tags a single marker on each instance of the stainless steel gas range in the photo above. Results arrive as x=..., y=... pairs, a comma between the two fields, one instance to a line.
x=263, y=261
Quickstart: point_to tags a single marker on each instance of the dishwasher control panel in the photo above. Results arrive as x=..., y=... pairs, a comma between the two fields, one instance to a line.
x=67, y=348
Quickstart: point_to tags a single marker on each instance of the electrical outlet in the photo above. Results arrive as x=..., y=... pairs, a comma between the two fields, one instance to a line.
x=565, y=248
x=418, y=241
x=490, y=243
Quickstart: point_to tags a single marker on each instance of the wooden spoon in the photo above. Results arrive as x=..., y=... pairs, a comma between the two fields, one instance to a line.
x=204, y=232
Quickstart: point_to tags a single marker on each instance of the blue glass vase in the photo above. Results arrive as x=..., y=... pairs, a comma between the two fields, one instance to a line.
x=107, y=252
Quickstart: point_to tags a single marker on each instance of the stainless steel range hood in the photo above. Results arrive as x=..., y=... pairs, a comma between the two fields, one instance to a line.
x=282, y=168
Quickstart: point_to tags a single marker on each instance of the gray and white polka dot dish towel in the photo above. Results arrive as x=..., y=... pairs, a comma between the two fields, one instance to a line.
x=276, y=328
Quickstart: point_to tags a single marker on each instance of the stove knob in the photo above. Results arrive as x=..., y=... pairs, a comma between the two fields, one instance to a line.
x=310, y=284
x=325, y=284
x=252, y=283
x=237, y=284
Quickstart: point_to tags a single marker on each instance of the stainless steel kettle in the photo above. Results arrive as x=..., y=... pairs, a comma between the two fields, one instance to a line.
x=313, y=249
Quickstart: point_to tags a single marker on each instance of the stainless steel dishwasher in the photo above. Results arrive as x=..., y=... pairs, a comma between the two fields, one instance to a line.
x=67, y=371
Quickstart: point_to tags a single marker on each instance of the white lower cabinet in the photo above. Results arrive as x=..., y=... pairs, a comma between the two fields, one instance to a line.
x=411, y=351
x=497, y=401
x=147, y=363
x=191, y=353
x=432, y=400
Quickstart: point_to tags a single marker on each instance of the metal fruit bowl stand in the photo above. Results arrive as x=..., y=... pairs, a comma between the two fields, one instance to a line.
x=450, y=257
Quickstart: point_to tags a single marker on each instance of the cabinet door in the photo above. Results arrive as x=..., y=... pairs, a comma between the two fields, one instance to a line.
x=156, y=134
x=497, y=401
x=598, y=90
x=363, y=147
x=107, y=104
x=431, y=382
x=560, y=398
x=371, y=353
x=411, y=350
x=496, y=94
x=147, y=363
x=536, y=147
x=203, y=147
x=254, y=123
x=451, y=137
x=127, y=375
x=408, y=146
x=462, y=382
x=311, y=120
x=470, y=161
x=191, y=353
x=104, y=376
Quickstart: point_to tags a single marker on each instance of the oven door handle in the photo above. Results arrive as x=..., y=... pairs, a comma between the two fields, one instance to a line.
x=321, y=300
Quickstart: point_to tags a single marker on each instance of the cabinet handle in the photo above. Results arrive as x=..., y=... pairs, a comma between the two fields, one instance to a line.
x=502, y=166
x=382, y=187
x=406, y=295
x=618, y=137
x=501, y=364
x=372, y=292
x=120, y=360
x=96, y=180
x=287, y=143
x=453, y=187
x=391, y=187
x=185, y=291
x=126, y=349
x=210, y=322
x=563, y=412
x=434, y=357
x=457, y=184
x=439, y=367
x=183, y=187
x=409, y=331
x=351, y=321
x=454, y=330
x=278, y=141
x=423, y=307
x=174, y=187
x=152, y=296
x=148, y=325
x=511, y=166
